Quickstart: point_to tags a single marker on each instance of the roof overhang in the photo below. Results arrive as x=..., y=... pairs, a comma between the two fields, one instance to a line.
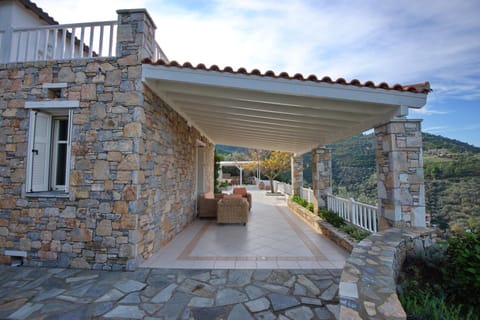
x=274, y=113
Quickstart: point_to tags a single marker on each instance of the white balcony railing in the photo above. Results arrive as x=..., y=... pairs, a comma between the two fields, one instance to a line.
x=159, y=54
x=360, y=214
x=59, y=42
x=63, y=42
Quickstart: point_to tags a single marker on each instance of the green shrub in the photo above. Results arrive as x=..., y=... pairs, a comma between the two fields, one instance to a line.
x=224, y=184
x=300, y=201
x=331, y=217
x=428, y=305
x=462, y=268
x=355, y=232
x=442, y=282
x=310, y=207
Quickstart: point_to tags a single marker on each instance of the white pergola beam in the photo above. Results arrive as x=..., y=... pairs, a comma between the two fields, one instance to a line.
x=198, y=115
x=327, y=107
x=304, y=118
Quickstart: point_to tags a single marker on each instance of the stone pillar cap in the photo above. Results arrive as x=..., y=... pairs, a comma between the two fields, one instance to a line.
x=138, y=10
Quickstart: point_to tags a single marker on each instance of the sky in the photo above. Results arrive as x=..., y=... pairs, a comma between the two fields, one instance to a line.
x=397, y=41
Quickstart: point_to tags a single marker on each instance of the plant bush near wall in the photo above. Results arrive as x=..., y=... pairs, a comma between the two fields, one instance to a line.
x=443, y=281
x=462, y=269
x=304, y=203
x=334, y=219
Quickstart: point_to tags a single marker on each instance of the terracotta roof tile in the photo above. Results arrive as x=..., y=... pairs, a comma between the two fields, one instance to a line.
x=415, y=88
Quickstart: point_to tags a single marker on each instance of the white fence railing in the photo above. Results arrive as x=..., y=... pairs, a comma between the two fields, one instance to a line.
x=282, y=187
x=63, y=42
x=357, y=213
x=159, y=54
x=307, y=194
x=360, y=214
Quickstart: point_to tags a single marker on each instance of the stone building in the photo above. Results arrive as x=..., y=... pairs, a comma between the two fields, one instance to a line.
x=102, y=155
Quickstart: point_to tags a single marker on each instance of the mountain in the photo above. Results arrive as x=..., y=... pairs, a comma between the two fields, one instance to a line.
x=452, y=176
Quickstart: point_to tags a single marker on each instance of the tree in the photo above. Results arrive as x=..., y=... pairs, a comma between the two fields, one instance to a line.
x=274, y=164
x=255, y=155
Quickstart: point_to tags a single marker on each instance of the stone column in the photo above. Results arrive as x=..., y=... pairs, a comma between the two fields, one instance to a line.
x=400, y=181
x=135, y=34
x=297, y=174
x=321, y=176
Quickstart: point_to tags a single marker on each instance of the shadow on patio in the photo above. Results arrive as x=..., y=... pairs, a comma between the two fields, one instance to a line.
x=273, y=238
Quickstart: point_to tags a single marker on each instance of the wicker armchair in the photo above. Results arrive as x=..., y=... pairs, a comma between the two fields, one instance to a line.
x=232, y=210
x=207, y=205
x=243, y=192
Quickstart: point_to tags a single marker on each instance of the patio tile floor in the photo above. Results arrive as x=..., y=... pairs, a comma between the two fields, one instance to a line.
x=273, y=238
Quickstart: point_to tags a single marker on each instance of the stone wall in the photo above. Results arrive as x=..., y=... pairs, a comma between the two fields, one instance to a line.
x=168, y=184
x=126, y=179
x=368, y=285
x=339, y=237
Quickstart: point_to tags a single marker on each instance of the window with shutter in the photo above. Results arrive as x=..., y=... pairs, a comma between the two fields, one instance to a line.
x=49, y=150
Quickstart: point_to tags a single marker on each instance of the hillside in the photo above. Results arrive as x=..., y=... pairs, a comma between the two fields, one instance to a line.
x=452, y=175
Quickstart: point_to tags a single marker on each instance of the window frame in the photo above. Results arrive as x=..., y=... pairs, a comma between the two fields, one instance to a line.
x=55, y=144
x=57, y=110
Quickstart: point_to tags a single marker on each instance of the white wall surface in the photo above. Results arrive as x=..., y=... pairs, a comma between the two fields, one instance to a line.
x=15, y=14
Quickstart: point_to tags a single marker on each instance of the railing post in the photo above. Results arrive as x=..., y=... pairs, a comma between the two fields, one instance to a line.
x=351, y=210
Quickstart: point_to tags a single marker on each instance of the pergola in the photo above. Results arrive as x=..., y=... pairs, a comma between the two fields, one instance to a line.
x=300, y=114
x=238, y=164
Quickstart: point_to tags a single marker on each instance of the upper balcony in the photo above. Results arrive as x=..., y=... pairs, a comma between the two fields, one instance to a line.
x=64, y=42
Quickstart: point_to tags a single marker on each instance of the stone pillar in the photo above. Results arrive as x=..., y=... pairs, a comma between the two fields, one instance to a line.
x=297, y=174
x=321, y=176
x=135, y=34
x=400, y=181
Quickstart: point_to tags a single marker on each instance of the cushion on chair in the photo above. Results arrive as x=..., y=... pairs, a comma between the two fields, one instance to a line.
x=232, y=196
x=243, y=192
x=240, y=191
x=209, y=195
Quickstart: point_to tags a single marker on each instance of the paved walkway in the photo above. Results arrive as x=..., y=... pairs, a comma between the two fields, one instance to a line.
x=273, y=238
x=41, y=293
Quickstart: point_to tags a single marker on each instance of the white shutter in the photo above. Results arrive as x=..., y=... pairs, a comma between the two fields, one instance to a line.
x=40, y=143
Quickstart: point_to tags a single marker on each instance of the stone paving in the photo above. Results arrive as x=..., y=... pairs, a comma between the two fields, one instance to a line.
x=39, y=293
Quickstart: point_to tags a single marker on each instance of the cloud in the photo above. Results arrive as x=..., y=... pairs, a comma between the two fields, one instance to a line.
x=377, y=40
x=427, y=110
x=437, y=129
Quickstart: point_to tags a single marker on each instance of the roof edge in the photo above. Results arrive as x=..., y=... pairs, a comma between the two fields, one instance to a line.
x=413, y=88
